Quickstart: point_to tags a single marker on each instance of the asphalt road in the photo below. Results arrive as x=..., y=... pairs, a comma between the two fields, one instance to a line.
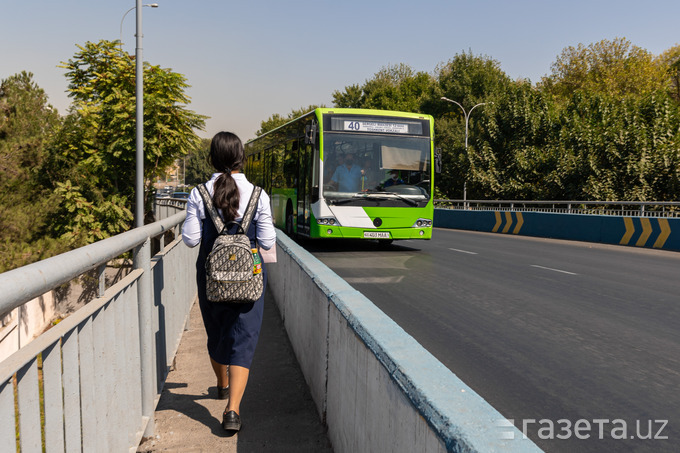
x=568, y=334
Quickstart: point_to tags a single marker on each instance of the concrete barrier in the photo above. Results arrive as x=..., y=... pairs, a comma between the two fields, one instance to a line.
x=649, y=232
x=375, y=387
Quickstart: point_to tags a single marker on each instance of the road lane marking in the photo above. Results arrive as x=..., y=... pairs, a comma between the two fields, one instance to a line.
x=464, y=251
x=379, y=280
x=554, y=270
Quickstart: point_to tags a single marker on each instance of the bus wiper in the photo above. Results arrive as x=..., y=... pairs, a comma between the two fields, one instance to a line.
x=341, y=200
x=371, y=194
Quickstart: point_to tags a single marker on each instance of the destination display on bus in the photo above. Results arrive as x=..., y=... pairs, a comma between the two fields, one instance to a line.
x=376, y=126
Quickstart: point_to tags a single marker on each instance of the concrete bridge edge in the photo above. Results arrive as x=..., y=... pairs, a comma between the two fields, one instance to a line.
x=375, y=387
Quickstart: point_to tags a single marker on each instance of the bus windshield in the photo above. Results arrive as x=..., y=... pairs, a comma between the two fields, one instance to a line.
x=376, y=170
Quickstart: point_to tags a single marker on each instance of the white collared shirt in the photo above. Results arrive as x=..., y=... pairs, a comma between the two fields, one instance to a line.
x=266, y=234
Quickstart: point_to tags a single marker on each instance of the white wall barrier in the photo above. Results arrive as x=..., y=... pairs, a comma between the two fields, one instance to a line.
x=376, y=388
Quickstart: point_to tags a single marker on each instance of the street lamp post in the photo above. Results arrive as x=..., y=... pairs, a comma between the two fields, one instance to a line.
x=139, y=95
x=142, y=253
x=467, y=118
x=151, y=5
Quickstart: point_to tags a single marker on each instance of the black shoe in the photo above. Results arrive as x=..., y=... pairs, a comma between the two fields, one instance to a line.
x=231, y=421
x=222, y=393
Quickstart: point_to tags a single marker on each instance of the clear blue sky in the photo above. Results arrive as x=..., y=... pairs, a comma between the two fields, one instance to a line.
x=247, y=60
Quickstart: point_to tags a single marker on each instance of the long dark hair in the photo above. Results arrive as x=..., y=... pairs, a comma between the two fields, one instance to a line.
x=226, y=155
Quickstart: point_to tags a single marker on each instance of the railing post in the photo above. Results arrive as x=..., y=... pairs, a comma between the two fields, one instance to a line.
x=142, y=261
x=101, y=273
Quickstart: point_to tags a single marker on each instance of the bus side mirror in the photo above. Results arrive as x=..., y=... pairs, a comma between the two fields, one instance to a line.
x=438, y=160
x=310, y=133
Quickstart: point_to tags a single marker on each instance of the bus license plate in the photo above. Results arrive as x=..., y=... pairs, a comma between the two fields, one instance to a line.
x=376, y=234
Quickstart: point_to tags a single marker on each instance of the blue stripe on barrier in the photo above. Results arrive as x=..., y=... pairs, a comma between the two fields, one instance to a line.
x=650, y=232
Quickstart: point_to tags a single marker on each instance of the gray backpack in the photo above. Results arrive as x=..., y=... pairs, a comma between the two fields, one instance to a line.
x=233, y=270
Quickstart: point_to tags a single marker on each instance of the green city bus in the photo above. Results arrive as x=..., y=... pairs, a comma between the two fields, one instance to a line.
x=349, y=173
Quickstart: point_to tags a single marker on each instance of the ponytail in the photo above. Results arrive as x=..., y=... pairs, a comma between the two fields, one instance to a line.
x=226, y=155
x=226, y=196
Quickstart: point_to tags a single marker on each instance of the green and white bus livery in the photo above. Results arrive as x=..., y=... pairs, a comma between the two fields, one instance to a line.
x=349, y=173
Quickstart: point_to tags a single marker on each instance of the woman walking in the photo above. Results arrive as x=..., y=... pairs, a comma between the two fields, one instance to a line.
x=232, y=328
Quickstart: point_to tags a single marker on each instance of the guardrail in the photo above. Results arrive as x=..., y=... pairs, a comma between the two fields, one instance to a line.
x=374, y=385
x=97, y=375
x=165, y=207
x=616, y=208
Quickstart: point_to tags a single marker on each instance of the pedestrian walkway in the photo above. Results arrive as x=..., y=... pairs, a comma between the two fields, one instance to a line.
x=277, y=411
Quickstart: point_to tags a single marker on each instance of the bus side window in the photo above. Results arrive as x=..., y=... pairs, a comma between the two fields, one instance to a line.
x=291, y=165
x=278, y=176
x=249, y=165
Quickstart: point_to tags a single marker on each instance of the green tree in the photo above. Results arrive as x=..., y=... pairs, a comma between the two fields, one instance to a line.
x=669, y=61
x=469, y=80
x=514, y=155
x=624, y=150
x=614, y=68
x=277, y=120
x=394, y=87
x=198, y=166
x=94, y=154
x=27, y=124
x=351, y=98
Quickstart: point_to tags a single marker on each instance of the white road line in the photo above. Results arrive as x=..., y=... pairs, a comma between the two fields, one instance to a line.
x=380, y=280
x=555, y=270
x=464, y=251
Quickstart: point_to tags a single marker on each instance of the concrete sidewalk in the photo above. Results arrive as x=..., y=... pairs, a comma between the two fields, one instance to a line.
x=277, y=410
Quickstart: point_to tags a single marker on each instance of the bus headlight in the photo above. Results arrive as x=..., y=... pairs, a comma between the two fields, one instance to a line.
x=327, y=221
x=420, y=223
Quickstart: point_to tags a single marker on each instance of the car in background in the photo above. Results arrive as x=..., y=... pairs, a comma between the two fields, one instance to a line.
x=181, y=195
x=163, y=193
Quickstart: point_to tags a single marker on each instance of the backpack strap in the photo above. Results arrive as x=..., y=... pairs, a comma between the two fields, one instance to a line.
x=217, y=219
x=250, y=210
x=210, y=208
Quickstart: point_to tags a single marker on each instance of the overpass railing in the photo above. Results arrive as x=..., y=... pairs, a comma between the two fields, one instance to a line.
x=616, y=208
x=165, y=207
x=95, y=378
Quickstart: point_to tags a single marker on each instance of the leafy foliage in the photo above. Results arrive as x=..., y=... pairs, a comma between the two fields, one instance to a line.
x=277, y=120
x=470, y=80
x=83, y=221
x=66, y=182
x=614, y=68
x=670, y=62
x=396, y=87
x=198, y=166
x=94, y=154
x=604, y=125
x=27, y=123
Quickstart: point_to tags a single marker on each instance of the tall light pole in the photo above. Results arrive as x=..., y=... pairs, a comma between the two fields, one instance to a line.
x=139, y=95
x=142, y=253
x=151, y=5
x=467, y=118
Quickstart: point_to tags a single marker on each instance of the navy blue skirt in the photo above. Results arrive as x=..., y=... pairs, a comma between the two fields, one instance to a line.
x=233, y=328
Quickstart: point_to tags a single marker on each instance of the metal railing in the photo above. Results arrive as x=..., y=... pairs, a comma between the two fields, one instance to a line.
x=96, y=376
x=617, y=208
x=165, y=207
